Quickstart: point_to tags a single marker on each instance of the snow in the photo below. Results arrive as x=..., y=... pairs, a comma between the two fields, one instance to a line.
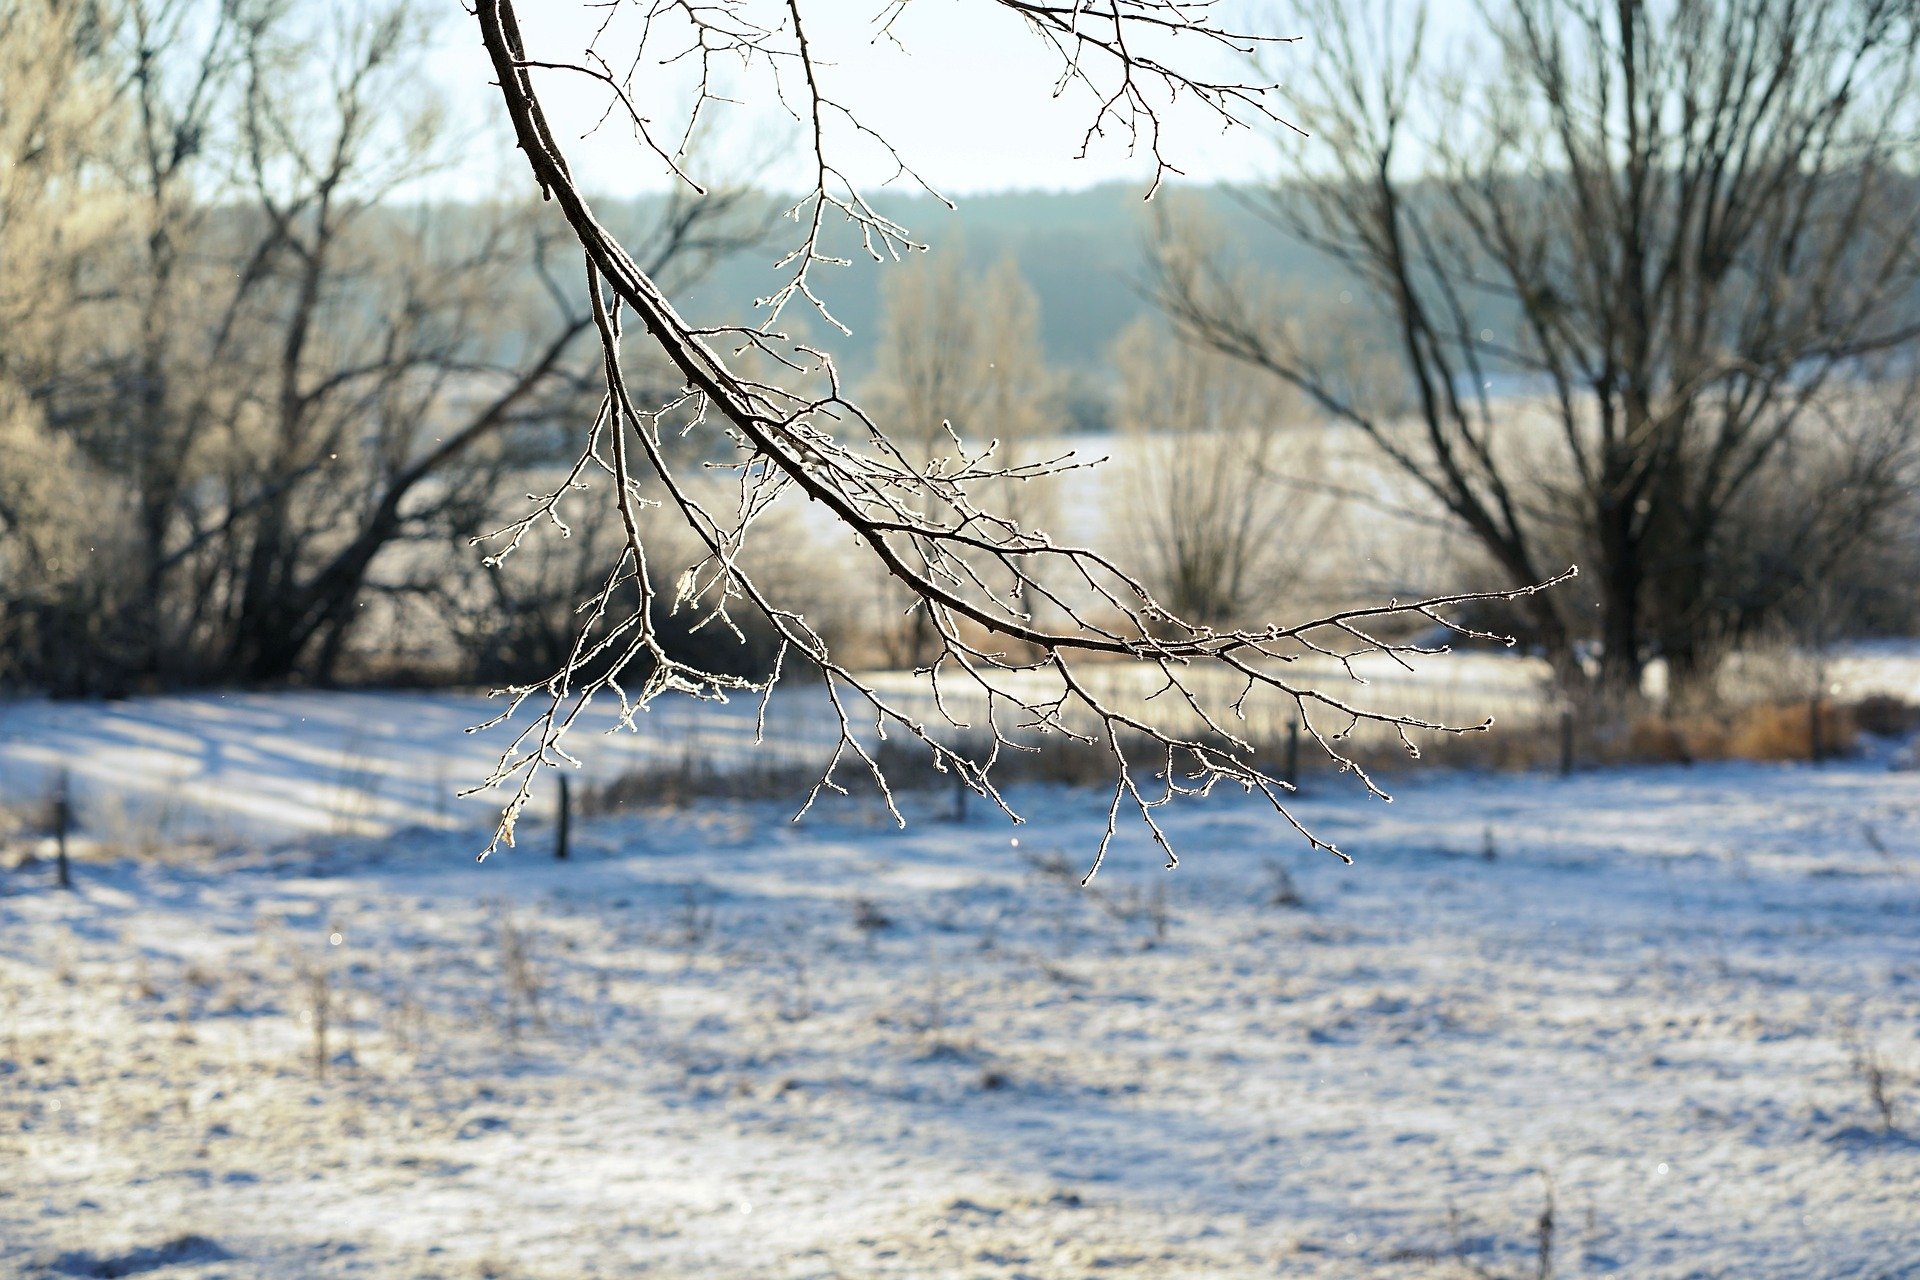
x=219, y=767
x=224, y=766
x=717, y=1044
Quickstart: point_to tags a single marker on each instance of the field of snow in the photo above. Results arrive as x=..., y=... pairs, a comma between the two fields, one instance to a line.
x=220, y=767
x=1641, y=1023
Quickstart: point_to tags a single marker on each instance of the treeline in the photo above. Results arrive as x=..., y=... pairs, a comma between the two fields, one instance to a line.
x=252, y=388
x=261, y=400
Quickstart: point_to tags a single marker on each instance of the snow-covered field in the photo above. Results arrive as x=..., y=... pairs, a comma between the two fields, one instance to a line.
x=1647, y=1006
x=226, y=766
x=219, y=767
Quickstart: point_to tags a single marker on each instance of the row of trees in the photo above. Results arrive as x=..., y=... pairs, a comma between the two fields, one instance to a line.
x=1219, y=491
x=255, y=386
x=253, y=379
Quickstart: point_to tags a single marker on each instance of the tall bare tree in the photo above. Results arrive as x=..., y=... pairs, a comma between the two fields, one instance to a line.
x=380, y=430
x=1677, y=225
x=275, y=354
x=958, y=353
x=1216, y=485
x=959, y=364
x=61, y=125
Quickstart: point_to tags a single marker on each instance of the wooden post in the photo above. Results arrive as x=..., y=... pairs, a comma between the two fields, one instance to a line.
x=1566, y=742
x=563, y=832
x=1816, y=748
x=1292, y=774
x=62, y=820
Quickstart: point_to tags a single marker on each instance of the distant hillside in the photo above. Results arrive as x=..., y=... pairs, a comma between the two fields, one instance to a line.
x=1083, y=252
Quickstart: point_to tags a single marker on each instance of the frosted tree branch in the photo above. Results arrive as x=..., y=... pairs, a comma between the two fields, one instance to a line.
x=1024, y=623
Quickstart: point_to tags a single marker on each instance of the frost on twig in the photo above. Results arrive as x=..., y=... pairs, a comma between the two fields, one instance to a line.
x=1023, y=624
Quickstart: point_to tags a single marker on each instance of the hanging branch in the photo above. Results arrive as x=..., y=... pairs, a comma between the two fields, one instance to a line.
x=1021, y=621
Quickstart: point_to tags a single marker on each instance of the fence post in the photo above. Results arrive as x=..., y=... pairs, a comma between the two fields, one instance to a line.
x=1293, y=753
x=62, y=820
x=563, y=831
x=1816, y=748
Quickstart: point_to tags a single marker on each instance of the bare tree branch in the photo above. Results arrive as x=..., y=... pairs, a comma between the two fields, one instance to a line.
x=1023, y=623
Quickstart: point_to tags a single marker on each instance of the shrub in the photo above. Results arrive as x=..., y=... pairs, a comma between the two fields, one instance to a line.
x=1660, y=740
x=1789, y=731
x=1764, y=731
x=1886, y=716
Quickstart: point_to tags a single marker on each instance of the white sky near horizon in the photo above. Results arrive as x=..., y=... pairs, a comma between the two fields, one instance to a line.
x=966, y=97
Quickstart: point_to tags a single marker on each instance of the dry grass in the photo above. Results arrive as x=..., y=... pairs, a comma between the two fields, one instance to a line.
x=19, y=834
x=675, y=784
x=1773, y=730
x=1768, y=731
x=1792, y=731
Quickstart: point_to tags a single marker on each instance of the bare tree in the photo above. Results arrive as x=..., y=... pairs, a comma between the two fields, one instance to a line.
x=1218, y=478
x=800, y=437
x=57, y=126
x=1827, y=544
x=58, y=588
x=275, y=358
x=958, y=365
x=1678, y=228
x=59, y=539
